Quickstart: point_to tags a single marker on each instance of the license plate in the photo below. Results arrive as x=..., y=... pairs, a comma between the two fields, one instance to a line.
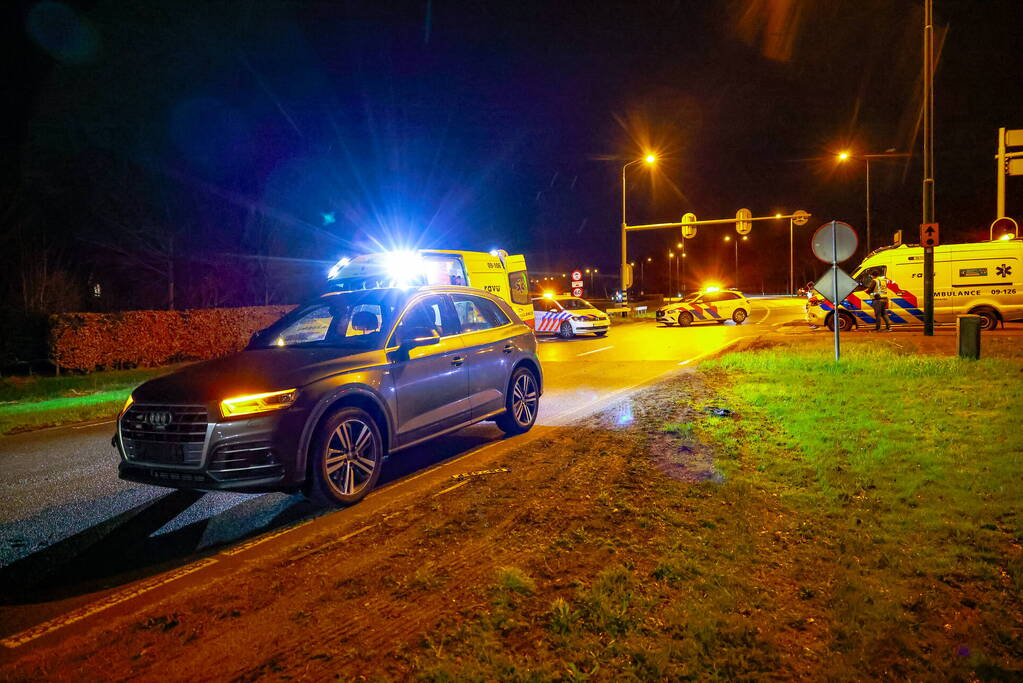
x=169, y=453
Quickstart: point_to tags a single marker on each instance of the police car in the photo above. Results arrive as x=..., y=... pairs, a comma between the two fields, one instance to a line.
x=712, y=304
x=567, y=316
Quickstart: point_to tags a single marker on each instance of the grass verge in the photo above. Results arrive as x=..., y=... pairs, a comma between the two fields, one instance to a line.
x=28, y=403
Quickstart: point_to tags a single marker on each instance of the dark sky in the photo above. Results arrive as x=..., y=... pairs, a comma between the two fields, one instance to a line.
x=481, y=124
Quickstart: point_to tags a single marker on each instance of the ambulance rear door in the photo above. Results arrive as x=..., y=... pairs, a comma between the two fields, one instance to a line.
x=986, y=274
x=518, y=285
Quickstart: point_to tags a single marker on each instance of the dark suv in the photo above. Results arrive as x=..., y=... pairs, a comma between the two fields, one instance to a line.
x=318, y=399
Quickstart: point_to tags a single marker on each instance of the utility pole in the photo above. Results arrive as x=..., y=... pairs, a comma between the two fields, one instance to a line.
x=928, y=184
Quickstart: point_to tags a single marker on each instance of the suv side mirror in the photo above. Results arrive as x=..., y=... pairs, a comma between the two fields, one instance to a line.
x=414, y=337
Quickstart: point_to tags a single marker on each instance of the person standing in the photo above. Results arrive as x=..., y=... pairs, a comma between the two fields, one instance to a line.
x=878, y=290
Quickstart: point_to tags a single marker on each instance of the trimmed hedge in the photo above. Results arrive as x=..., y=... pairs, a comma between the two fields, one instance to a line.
x=90, y=341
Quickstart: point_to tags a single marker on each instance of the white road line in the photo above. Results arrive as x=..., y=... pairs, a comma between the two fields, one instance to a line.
x=766, y=316
x=452, y=488
x=92, y=424
x=586, y=353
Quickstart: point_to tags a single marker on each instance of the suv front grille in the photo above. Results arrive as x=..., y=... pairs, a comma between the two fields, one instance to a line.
x=164, y=434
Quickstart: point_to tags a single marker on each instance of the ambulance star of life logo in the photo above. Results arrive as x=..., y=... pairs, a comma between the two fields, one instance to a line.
x=1004, y=270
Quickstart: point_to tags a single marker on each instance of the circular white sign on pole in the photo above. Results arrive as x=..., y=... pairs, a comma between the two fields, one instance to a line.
x=577, y=275
x=800, y=217
x=577, y=292
x=689, y=231
x=834, y=242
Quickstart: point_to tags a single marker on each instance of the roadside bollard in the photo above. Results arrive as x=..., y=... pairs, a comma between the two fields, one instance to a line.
x=968, y=336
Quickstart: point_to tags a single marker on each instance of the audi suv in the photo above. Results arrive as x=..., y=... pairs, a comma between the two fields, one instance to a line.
x=317, y=400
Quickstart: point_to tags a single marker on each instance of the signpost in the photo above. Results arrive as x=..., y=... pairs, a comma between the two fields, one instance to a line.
x=929, y=235
x=833, y=243
x=1009, y=163
x=577, y=283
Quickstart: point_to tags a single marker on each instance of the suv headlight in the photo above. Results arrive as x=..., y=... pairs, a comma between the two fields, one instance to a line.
x=257, y=403
x=124, y=408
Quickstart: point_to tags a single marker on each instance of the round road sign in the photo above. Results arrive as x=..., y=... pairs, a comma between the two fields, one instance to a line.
x=800, y=217
x=688, y=231
x=577, y=292
x=834, y=242
x=743, y=224
x=577, y=275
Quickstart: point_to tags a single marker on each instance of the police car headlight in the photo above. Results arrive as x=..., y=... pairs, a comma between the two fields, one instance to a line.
x=580, y=318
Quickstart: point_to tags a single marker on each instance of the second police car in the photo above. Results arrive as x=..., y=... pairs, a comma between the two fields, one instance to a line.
x=567, y=316
x=712, y=304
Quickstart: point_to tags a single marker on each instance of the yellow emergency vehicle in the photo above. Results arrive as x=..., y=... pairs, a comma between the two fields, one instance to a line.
x=496, y=272
x=979, y=278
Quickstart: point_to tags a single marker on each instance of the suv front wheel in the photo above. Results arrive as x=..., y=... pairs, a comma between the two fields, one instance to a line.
x=346, y=458
x=522, y=403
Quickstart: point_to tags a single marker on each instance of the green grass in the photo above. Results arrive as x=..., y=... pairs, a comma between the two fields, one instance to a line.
x=28, y=403
x=867, y=525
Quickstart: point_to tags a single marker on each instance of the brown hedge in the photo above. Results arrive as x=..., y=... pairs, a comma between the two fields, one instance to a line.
x=90, y=341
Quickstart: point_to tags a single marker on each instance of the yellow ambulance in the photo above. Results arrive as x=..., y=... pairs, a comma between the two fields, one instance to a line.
x=496, y=272
x=980, y=278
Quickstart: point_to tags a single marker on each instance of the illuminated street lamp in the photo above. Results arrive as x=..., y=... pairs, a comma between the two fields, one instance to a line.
x=889, y=154
x=671, y=256
x=649, y=159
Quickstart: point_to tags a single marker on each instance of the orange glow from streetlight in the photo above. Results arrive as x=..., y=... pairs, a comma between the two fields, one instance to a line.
x=728, y=238
x=842, y=156
x=777, y=215
x=650, y=158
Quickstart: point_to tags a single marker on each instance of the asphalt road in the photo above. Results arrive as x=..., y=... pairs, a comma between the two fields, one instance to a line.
x=68, y=524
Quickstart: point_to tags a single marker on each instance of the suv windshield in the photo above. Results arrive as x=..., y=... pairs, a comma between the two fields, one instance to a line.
x=354, y=320
x=574, y=304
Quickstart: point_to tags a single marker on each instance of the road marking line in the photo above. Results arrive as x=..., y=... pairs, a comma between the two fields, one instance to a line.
x=766, y=316
x=451, y=488
x=88, y=610
x=586, y=353
x=92, y=424
x=720, y=348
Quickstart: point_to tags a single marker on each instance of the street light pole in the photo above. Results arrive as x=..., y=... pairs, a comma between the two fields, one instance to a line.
x=671, y=255
x=649, y=158
x=684, y=254
x=791, y=260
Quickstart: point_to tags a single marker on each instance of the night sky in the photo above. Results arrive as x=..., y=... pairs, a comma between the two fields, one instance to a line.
x=312, y=130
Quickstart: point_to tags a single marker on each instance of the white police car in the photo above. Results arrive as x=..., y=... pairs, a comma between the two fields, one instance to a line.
x=712, y=304
x=567, y=316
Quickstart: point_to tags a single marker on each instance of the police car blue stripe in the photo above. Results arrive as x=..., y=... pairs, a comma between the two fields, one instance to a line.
x=896, y=318
x=916, y=312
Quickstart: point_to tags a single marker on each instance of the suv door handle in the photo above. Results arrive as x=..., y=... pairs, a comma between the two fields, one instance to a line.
x=457, y=360
x=508, y=348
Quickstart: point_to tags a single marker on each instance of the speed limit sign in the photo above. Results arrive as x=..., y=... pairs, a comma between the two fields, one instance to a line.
x=577, y=292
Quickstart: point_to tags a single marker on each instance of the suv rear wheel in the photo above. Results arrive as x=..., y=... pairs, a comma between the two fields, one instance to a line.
x=988, y=318
x=522, y=403
x=346, y=458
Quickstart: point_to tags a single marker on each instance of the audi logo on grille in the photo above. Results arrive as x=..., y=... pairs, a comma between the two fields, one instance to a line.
x=159, y=418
